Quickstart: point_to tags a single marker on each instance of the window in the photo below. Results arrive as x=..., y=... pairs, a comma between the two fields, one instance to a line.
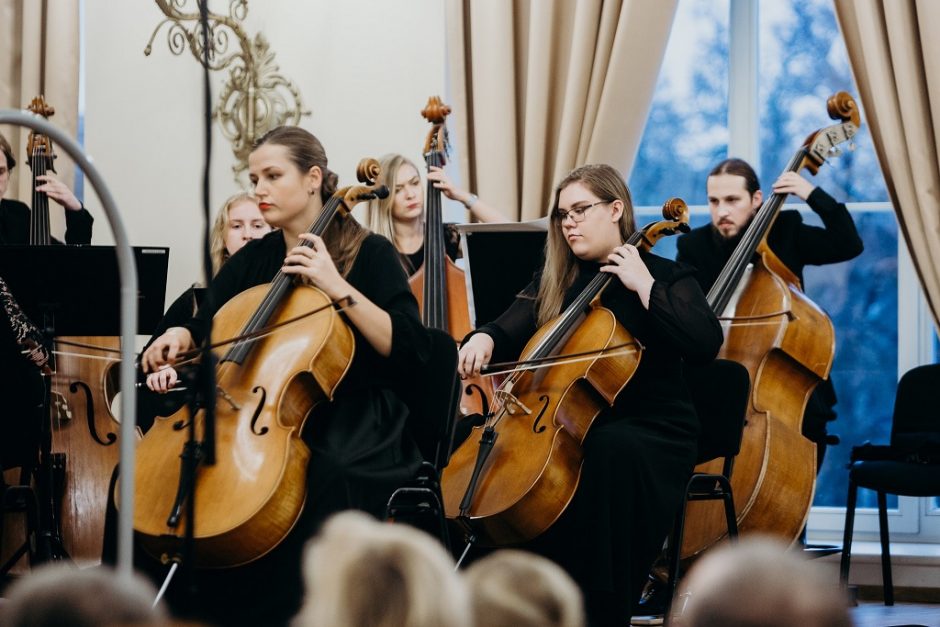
x=882, y=325
x=687, y=129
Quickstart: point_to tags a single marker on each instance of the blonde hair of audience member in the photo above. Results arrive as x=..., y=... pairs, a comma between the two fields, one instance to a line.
x=56, y=595
x=513, y=588
x=363, y=573
x=759, y=582
x=223, y=243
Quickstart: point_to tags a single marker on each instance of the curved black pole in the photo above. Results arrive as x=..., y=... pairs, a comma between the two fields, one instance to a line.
x=127, y=273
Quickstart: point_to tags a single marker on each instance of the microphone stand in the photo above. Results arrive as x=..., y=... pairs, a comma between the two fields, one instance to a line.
x=196, y=452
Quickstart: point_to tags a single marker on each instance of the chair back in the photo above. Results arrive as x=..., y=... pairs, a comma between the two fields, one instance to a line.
x=915, y=405
x=432, y=399
x=719, y=393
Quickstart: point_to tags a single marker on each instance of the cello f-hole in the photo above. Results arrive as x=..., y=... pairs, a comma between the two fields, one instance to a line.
x=536, y=428
x=258, y=409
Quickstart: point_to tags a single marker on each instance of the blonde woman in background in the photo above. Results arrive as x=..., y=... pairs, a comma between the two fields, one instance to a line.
x=400, y=216
x=362, y=573
x=238, y=222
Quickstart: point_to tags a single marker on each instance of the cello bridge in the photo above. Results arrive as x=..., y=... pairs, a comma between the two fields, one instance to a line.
x=511, y=405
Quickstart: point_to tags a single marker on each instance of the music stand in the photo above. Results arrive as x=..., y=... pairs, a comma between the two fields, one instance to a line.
x=500, y=259
x=75, y=290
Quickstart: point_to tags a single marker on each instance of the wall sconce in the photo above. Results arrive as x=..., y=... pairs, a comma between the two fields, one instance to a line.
x=255, y=97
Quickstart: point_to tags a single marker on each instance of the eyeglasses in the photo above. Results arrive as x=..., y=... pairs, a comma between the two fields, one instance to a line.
x=576, y=213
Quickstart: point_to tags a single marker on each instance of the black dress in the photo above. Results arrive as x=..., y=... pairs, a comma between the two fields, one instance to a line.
x=360, y=445
x=797, y=245
x=412, y=261
x=638, y=454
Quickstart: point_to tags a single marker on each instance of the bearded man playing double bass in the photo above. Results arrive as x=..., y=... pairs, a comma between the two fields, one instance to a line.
x=733, y=198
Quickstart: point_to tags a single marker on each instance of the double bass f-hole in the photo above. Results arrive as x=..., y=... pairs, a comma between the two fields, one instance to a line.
x=74, y=387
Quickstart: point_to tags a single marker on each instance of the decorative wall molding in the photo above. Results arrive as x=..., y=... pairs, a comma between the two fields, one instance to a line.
x=255, y=97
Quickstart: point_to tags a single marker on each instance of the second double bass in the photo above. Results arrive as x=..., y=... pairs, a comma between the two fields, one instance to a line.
x=787, y=344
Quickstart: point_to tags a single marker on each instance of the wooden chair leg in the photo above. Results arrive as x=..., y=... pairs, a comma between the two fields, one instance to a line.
x=887, y=583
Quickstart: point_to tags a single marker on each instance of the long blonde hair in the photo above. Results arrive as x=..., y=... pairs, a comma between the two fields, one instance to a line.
x=344, y=236
x=379, y=210
x=217, y=250
x=561, y=265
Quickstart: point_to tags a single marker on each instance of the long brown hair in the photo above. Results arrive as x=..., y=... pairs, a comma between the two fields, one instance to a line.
x=561, y=265
x=344, y=236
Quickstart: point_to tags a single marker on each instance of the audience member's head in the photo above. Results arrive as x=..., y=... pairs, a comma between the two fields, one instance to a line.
x=759, y=582
x=517, y=589
x=53, y=596
x=360, y=572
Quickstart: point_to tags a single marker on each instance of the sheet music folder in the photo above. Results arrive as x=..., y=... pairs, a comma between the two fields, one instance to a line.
x=79, y=286
x=499, y=261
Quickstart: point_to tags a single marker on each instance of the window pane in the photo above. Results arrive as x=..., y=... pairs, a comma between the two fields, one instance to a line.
x=861, y=298
x=687, y=129
x=802, y=62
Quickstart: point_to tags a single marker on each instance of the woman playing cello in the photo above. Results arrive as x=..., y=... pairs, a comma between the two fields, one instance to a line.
x=639, y=452
x=360, y=449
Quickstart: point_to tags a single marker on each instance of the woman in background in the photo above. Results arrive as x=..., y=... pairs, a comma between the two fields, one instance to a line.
x=400, y=216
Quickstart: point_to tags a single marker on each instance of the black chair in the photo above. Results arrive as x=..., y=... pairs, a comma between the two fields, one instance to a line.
x=20, y=498
x=432, y=398
x=909, y=466
x=719, y=392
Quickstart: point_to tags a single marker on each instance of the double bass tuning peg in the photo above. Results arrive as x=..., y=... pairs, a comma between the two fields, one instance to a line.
x=835, y=151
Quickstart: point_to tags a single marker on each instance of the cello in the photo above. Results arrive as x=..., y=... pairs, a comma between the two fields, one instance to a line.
x=515, y=475
x=84, y=433
x=439, y=285
x=787, y=344
x=291, y=350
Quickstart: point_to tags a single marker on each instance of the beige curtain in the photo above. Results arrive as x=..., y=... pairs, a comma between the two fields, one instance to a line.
x=39, y=55
x=541, y=86
x=895, y=56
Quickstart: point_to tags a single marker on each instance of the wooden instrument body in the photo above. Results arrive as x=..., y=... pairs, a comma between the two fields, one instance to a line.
x=84, y=444
x=787, y=347
x=251, y=498
x=457, y=320
x=534, y=468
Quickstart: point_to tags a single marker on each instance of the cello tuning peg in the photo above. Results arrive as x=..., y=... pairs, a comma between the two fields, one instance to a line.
x=851, y=146
x=835, y=151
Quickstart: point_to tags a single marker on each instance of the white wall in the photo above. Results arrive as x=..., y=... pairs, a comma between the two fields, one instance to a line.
x=365, y=69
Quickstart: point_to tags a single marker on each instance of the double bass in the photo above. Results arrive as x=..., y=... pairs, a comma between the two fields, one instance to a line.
x=787, y=344
x=84, y=433
x=515, y=475
x=291, y=350
x=439, y=285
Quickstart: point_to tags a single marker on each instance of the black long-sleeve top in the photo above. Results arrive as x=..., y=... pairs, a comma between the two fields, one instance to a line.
x=678, y=326
x=796, y=244
x=14, y=224
x=376, y=272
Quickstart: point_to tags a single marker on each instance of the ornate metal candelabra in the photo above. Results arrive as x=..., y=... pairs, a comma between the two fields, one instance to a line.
x=256, y=97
